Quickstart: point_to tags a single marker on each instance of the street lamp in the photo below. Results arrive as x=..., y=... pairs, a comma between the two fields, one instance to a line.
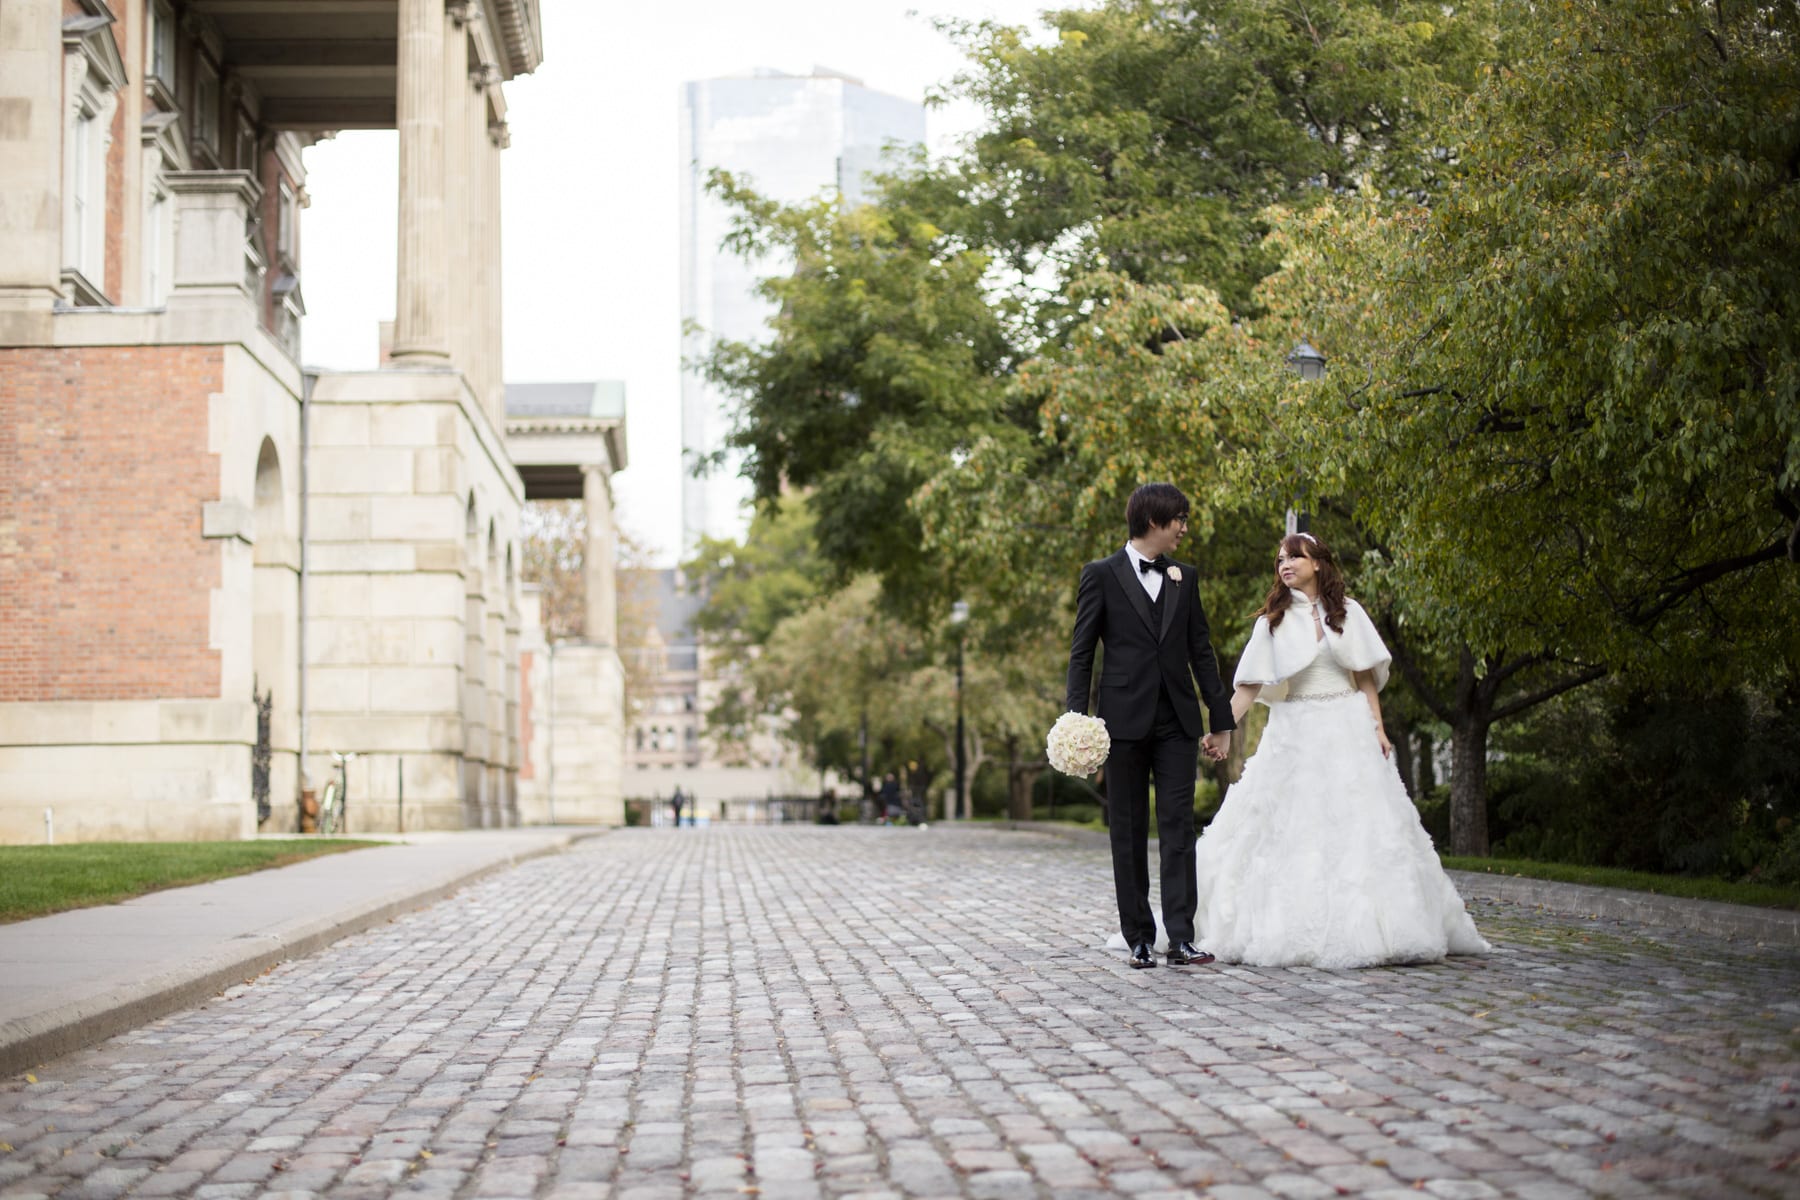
x=959, y=617
x=1309, y=364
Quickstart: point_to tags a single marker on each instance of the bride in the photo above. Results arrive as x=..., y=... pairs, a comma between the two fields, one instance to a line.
x=1317, y=856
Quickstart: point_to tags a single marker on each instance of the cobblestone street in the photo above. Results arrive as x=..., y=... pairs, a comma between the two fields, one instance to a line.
x=797, y=1012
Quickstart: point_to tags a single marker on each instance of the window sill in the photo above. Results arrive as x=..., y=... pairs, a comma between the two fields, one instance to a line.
x=80, y=291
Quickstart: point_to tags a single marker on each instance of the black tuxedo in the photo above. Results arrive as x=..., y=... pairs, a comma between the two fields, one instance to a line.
x=1155, y=651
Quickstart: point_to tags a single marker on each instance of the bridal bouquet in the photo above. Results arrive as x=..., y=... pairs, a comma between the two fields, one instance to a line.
x=1077, y=744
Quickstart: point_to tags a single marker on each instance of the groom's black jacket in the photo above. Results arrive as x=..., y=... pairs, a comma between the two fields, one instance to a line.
x=1112, y=607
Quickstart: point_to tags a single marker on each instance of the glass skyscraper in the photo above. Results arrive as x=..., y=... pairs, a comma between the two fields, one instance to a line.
x=790, y=138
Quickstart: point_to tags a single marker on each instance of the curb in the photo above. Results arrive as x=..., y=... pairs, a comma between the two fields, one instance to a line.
x=51, y=1033
x=1775, y=927
x=1712, y=918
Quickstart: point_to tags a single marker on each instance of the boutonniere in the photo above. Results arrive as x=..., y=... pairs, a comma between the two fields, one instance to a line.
x=1174, y=574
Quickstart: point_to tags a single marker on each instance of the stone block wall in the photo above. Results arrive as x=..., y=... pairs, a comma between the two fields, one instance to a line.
x=413, y=516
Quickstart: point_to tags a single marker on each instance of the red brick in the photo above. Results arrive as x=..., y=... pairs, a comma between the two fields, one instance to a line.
x=105, y=579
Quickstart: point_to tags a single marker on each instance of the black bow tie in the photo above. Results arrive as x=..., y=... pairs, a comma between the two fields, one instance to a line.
x=1159, y=564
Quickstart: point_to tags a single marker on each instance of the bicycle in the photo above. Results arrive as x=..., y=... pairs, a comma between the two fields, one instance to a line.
x=332, y=817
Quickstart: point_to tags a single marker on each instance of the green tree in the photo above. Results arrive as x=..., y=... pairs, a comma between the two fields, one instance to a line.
x=751, y=585
x=1143, y=142
x=1563, y=398
x=1148, y=136
x=885, y=355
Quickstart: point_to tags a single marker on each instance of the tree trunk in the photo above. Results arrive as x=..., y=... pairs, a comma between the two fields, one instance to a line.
x=1027, y=780
x=1427, y=763
x=1468, y=786
x=1018, y=788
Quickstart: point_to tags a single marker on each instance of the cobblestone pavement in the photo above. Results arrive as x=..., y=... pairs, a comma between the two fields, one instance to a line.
x=799, y=1012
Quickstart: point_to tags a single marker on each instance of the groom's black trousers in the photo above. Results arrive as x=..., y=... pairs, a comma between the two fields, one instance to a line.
x=1171, y=757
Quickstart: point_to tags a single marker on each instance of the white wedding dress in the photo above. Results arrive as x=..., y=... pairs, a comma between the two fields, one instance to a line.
x=1317, y=857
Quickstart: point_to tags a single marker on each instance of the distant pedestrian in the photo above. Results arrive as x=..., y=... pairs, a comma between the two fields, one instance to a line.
x=675, y=802
x=889, y=798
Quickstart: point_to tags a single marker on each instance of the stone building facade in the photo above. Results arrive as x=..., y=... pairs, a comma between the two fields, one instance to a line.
x=568, y=440
x=678, y=680
x=217, y=568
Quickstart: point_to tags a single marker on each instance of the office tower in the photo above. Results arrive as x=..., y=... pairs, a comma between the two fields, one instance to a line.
x=790, y=137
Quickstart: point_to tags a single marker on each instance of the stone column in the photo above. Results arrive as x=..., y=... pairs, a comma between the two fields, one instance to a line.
x=601, y=551
x=481, y=234
x=491, y=314
x=453, y=252
x=130, y=288
x=474, y=699
x=421, y=333
x=510, y=761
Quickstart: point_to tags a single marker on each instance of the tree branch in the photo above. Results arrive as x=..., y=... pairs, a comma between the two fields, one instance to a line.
x=1550, y=691
x=1415, y=676
x=1697, y=578
x=1514, y=667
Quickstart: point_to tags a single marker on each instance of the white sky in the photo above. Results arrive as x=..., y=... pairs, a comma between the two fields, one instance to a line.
x=590, y=184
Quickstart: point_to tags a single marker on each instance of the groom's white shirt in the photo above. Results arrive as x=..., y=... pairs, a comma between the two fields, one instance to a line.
x=1152, y=580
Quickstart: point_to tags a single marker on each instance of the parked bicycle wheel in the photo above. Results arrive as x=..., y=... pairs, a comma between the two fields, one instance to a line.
x=331, y=809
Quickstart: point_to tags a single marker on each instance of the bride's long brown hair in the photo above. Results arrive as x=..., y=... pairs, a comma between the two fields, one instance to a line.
x=1331, y=582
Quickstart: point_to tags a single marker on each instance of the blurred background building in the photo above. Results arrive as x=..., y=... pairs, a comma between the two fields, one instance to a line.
x=791, y=138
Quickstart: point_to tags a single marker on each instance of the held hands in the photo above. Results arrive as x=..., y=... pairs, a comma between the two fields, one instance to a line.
x=1216, y=746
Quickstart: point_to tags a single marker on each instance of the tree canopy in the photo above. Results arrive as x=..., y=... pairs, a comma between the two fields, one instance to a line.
x=1549, y=251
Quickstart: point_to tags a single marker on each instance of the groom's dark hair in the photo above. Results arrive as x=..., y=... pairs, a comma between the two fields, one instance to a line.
x=1154, y=504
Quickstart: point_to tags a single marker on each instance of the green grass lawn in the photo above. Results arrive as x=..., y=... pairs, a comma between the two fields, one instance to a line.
x=1760, y=894
x=36, y=880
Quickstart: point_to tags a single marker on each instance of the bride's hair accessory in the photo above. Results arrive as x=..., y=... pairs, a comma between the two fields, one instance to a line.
x=1329, y=575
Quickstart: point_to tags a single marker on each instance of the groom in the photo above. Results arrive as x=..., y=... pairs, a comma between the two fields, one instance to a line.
x=1144, y=607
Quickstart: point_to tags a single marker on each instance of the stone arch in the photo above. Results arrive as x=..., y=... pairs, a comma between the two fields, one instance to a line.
x=508, y=733
x=274, y=632
x=474, y=692
x=471, y=534
x=493, y=700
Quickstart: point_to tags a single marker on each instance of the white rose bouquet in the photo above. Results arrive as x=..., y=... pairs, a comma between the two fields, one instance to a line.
x=1078, y=744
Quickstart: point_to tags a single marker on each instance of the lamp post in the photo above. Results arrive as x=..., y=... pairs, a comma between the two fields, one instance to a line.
x=1309, y=364
x=959, y=617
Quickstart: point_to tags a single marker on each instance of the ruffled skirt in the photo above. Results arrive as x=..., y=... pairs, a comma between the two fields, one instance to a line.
x=1317, y=857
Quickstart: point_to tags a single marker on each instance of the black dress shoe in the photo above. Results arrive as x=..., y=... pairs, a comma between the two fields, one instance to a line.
x=1141, y=956
x=1186, y=954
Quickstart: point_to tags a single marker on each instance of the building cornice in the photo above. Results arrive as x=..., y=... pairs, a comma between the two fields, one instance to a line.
x=521, y=32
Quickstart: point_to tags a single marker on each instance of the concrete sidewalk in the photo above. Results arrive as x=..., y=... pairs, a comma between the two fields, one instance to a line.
x=73, y=978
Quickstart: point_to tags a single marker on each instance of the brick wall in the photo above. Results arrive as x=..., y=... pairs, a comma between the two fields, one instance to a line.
x=104, y=575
